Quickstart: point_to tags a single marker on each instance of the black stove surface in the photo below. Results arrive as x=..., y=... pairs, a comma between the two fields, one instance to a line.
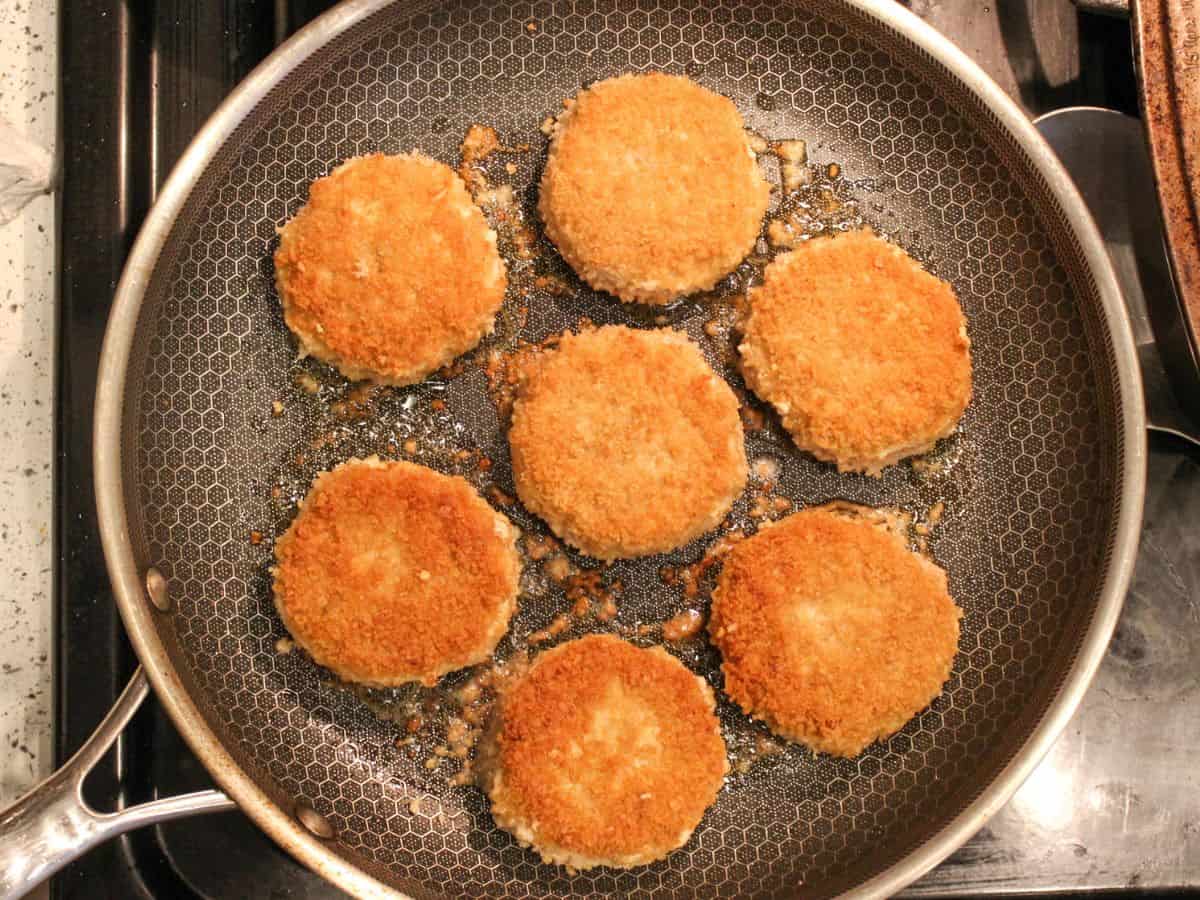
x=1113, y=807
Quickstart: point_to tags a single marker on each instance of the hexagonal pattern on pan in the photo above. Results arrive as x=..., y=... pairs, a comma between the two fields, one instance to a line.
x=1028, y=483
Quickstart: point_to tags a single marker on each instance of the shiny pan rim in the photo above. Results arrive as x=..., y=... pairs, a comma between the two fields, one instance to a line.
x=138, y=614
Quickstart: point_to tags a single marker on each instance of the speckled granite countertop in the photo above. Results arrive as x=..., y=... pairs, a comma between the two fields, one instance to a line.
x=28, y=76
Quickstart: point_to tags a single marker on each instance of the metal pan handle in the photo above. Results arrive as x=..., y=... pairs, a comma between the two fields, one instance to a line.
x=1105, y=7
x=1105, y=153
x=53, y=825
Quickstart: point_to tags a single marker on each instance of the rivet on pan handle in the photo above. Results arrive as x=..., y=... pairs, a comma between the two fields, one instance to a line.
x=53, y=825
x=317, y=824
x=157, y=589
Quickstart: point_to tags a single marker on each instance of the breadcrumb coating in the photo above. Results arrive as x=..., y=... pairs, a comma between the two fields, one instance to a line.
x=862, y=352
x=393, y=572
x=603, y=754
x=626, y=442
x=831, y=630
x=389, y=271
x=651, y=191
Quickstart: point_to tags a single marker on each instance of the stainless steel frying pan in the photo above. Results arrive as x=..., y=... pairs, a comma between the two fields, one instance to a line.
x=1042, y=488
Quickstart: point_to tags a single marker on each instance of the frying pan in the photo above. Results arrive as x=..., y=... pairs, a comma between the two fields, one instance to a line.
x=1042, y=487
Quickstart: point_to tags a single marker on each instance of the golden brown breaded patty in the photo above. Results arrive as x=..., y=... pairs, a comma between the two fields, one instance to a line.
x=603, y=754
x=651, y=191
x=389, y=271
x=626, y=442
x=831, y=630
x=393, y=572
x=862, y=352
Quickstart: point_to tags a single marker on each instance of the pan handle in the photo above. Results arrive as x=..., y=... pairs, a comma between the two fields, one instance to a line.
x=52, y=824
x=1105, y=7
x=1105, y=153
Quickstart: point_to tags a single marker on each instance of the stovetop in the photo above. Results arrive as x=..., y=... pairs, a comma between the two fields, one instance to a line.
x=1115, y=804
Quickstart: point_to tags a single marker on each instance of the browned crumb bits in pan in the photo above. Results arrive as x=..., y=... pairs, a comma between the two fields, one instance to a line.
x=626, y=443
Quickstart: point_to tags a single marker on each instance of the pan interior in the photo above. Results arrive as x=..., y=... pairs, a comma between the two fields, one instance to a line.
x=1029, y=484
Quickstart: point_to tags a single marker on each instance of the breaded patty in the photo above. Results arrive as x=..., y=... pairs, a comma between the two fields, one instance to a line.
x=651, y=191
x=389, y=271
x=862, y=352
x=831, y=630
x=393, y=572
x=626, y=442
x=603, y=754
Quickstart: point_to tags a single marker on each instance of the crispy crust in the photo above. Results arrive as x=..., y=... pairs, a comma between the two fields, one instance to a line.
x=626, y=442
x=603, y=754
x=389, y=271
x=831, y=630
x=651, y=191
x=862, y=352
x=394, y=573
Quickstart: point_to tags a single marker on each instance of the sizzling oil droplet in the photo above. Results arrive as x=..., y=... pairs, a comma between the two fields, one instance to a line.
x=764, y=101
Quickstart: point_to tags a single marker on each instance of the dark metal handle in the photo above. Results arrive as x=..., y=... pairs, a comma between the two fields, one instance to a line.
x=1105, y=7
x=53, y=825
x=1105, y=152
x=1163, y=412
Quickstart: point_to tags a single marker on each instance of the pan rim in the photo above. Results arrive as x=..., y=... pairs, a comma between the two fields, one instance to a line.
x=138, y=615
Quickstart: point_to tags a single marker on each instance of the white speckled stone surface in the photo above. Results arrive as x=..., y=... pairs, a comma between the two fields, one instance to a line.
x=28, y=76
